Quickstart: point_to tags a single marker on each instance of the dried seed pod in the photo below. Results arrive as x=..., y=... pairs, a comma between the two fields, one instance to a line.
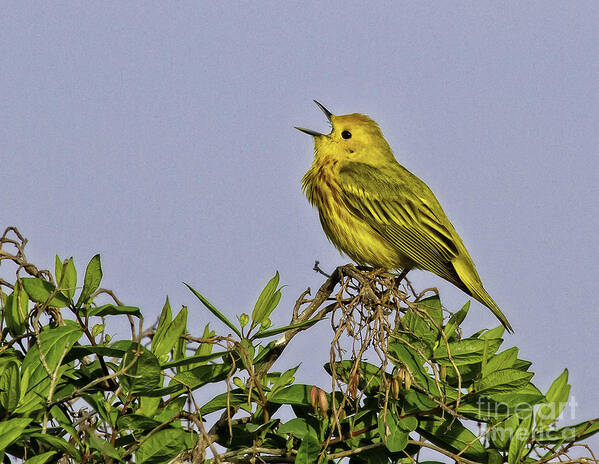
x=407, y=380
x=395, y=386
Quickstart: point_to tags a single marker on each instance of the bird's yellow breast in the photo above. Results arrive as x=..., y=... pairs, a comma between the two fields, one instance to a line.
x=346, y=231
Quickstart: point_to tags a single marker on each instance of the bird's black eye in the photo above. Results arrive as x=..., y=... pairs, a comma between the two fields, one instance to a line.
x=346, y=134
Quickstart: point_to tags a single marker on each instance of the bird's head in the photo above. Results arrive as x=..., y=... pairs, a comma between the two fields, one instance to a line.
x=353, y=137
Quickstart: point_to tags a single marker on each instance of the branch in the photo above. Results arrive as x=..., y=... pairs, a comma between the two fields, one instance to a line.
x=324, y=292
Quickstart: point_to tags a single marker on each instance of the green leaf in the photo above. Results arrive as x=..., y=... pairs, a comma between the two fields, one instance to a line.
x=163, y=323
x=214, y=311
x=557, y=397
x=408, y=424
x=57, y=268
x=79, y=352
x=455, y=320
x=416, y=401
x=125, y=441
x=308, y=451
x=257, y=429
x=494, y=457
x=9, y=356
x=468, y=373
x=452, y=435
x=144, y=375
x=192, y=379
x=405, y=356
x=465, y=351
x=267, y=301
x=104, y=447
x=497, y=332
x=10, y=389
x=270, y=333
x=570, y=433
x=421, y=325
x=519, y=440
x=136, y=422
x=295, y=394
x=204, y=349
x=41, y=458
x=375, y=456
x=58, y=444
x=396, y=441
x=171, y=335
x=522, y=365
x=148, y=406
x=365, y=420
x=263, y=351
x=245, y=350
x=432, y=305
x=180, y=349
x=39, y=291
x=55, y=343
x=503, y=360
x=11, y=316
x=483, y=409
x=283, y=380
x=501, y=435
x=100, y=405
x=17, y=310
x=24, y=387
x=64, y=422
x=394, y=437
x=11, y=430
x=234, y=398
x=114, y=310
x=299, y=427
x=521, y=399
x=91, y=282
x=195, y=361
x=68, y=282
x=161, y=447
x=504, y=380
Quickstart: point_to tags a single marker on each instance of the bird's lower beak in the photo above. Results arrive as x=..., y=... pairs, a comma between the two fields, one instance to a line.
x=309, y=131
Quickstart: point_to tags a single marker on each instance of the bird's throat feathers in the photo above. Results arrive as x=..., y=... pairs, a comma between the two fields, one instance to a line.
x=319, y=183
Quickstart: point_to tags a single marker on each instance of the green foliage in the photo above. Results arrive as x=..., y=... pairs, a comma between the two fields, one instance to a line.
x=73, y=389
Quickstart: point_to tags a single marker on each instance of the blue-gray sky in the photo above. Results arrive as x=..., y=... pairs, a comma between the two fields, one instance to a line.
x=160, y=135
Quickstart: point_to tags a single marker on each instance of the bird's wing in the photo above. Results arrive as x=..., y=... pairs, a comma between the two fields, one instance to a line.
x=403, y=210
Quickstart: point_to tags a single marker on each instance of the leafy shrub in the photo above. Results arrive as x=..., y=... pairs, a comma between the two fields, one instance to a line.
x=70, y=392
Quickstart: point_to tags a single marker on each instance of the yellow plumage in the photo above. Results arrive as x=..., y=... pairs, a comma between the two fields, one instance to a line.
x=380, y=214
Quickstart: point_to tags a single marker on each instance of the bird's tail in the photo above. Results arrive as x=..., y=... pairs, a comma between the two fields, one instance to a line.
x=475, y=288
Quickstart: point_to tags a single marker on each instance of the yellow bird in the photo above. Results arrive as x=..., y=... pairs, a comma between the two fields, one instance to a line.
x=380, y=214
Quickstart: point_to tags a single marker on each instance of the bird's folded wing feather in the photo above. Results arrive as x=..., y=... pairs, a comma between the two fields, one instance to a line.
x=403, y=211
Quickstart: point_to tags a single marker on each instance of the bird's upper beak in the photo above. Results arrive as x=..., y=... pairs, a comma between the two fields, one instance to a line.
x=311, y=132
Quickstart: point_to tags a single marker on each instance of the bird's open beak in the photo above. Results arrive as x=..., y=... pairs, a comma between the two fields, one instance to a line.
x=311, y=132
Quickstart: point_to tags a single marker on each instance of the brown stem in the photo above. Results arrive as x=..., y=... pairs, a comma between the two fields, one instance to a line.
x=324, y=292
